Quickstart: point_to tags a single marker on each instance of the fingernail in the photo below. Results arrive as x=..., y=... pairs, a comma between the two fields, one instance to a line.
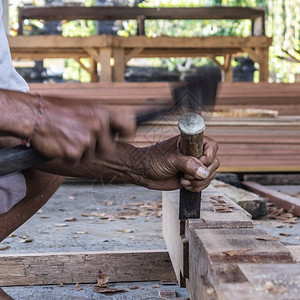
x=202, y=173
x=185, y=182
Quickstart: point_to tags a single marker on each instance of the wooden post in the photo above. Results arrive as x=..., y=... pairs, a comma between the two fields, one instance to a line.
x=140, y=25
x=93, y=71
x=119, y=65
x=5, y=15
x=228, y=68
x=258, y=26
x=263, y=64
x=106, y=68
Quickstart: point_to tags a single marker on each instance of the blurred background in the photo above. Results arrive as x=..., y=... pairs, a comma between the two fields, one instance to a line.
x=282, y=24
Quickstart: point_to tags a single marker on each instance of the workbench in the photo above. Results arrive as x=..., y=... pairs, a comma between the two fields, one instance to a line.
x=113, y=52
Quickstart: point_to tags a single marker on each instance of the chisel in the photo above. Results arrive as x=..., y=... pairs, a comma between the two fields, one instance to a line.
x=191, y=126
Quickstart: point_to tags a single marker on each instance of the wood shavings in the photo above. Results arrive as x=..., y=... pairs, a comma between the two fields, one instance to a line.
x=236, y=252
x=61, y=225
x=27, y=240
x=78, y=288
x=70, y=219
x=102, y=285
x=267, y=238
x=3, y=248
x=102, y=280
x=220, y=205
x=284, y=234
x=274, y=290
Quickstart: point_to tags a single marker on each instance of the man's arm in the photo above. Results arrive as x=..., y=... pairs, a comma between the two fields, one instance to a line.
x=72, y=130
x=161, y=166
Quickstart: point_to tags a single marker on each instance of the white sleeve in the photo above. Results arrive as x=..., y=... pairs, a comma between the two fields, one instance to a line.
x=9, y=77
x=12, y=190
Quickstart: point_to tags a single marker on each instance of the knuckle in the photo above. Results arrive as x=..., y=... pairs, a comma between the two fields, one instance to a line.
x=73, y=153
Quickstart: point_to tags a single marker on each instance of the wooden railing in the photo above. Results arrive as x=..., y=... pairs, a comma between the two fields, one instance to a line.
x=105, y=49
x=51, y=13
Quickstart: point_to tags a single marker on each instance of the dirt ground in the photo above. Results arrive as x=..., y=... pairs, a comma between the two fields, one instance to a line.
x=87, y=216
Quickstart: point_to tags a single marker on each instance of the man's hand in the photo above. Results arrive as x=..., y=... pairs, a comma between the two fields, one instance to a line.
x=166, y=168
x=161, y=166
x=77, y=130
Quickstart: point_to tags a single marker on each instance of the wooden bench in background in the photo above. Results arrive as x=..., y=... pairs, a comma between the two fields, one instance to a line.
x=257, y=144
x=113, y=53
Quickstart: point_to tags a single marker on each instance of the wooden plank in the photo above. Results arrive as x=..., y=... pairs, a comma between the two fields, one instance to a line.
x=124, y=13
x=174, y=229
x=195, y=42
x=210, y=267
x=97, y=41
x=233, y=94
x=252, y=203
x=210, y=218
x=287, y=202
x=216, y=242
x=217, y=255
x=172, y=232
x=83, y=267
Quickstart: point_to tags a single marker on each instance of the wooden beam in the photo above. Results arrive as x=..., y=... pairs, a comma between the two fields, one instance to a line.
x=106, y=67
x=93, y=53
x=258, y=26
x=221, y=252
x=124, y=13
x=228, y=68
x=194, y=42
x=174, y=229
x=263, y=64
x=94, y=70
x=287, y=202
x=119, y=65
x=83, y=267
x=99, y=41
x=133, y=53
x=141, y=25
x=82, y=65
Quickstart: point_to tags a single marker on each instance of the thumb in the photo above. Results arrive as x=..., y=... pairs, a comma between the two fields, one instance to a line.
x=191, y=166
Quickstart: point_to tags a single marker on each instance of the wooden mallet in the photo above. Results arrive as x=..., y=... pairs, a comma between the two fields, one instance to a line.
x=191, y=126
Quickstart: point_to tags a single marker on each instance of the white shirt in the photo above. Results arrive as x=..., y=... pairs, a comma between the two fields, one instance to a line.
x=13, y=187
x=9, y=77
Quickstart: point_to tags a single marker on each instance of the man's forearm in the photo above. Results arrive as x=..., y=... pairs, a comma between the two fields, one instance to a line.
x=18, y=113
x=126, y=164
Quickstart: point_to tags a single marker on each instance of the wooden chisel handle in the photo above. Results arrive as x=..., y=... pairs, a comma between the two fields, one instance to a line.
x=191, y=126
